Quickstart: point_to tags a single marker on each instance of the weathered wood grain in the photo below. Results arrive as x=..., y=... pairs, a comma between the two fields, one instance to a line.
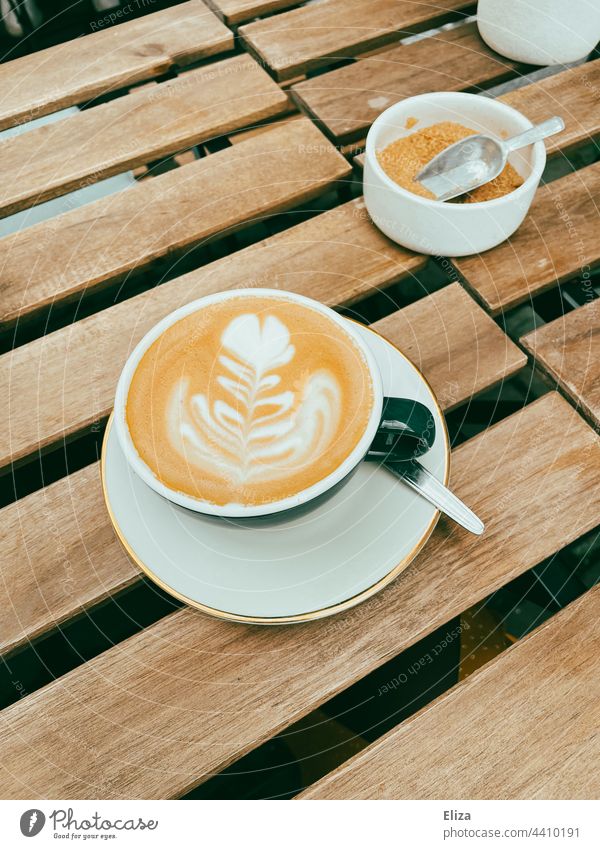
x=59, y=555
x=574, y=94
x=57, y=548
x=313, y=35
x=347, y=101
x=64, y=382
x=106, y=60
x=188, y=695
x=523, y=727
x=568, y=350
x=557, y=241
x=456, y=345
x=106, y=240
x=242, y=135
x=129, y=131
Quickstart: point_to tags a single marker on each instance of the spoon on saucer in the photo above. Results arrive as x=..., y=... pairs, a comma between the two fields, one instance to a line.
x=407, y=431
x=475, y=160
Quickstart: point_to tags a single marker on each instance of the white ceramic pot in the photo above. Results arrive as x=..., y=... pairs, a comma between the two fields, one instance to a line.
x=335, y=478
x=540, y=32
x=449, y=229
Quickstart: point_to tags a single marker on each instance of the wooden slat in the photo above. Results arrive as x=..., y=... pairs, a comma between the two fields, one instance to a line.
x=523, y=727
x=242, y=135
x=335, y=257
x=346, y=101
x=440, y=332
x=558, y=237
x=458, y=347
x=59, y=555
x=81, y=69
x=143, y=126
x=568, y=349
x=318, y=33
x=238, y=11
x=573, y=94
x=188, y=695
x=105, y=240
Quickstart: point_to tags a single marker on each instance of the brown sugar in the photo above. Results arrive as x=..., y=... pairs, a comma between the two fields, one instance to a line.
x=404, y=158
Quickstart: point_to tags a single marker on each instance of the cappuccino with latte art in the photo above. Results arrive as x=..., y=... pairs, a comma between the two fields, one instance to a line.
x=250, y=399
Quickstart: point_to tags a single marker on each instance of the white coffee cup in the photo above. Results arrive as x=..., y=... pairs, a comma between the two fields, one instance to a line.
x=449, y=229
x=323, y=486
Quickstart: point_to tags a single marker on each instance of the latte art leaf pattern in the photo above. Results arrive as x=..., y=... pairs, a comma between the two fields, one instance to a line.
x=249, y=426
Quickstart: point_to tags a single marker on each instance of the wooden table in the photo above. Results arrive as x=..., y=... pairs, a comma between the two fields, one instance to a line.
x=245, y=174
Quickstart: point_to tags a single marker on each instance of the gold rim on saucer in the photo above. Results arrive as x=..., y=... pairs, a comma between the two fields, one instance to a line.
x=299, y=617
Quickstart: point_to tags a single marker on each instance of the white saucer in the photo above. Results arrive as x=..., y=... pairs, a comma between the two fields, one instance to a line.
x=316, y=564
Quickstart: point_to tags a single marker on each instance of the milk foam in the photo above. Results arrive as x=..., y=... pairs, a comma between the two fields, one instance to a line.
x=250, y=426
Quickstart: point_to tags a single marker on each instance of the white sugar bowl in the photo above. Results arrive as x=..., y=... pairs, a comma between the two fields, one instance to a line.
x=540, y=32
